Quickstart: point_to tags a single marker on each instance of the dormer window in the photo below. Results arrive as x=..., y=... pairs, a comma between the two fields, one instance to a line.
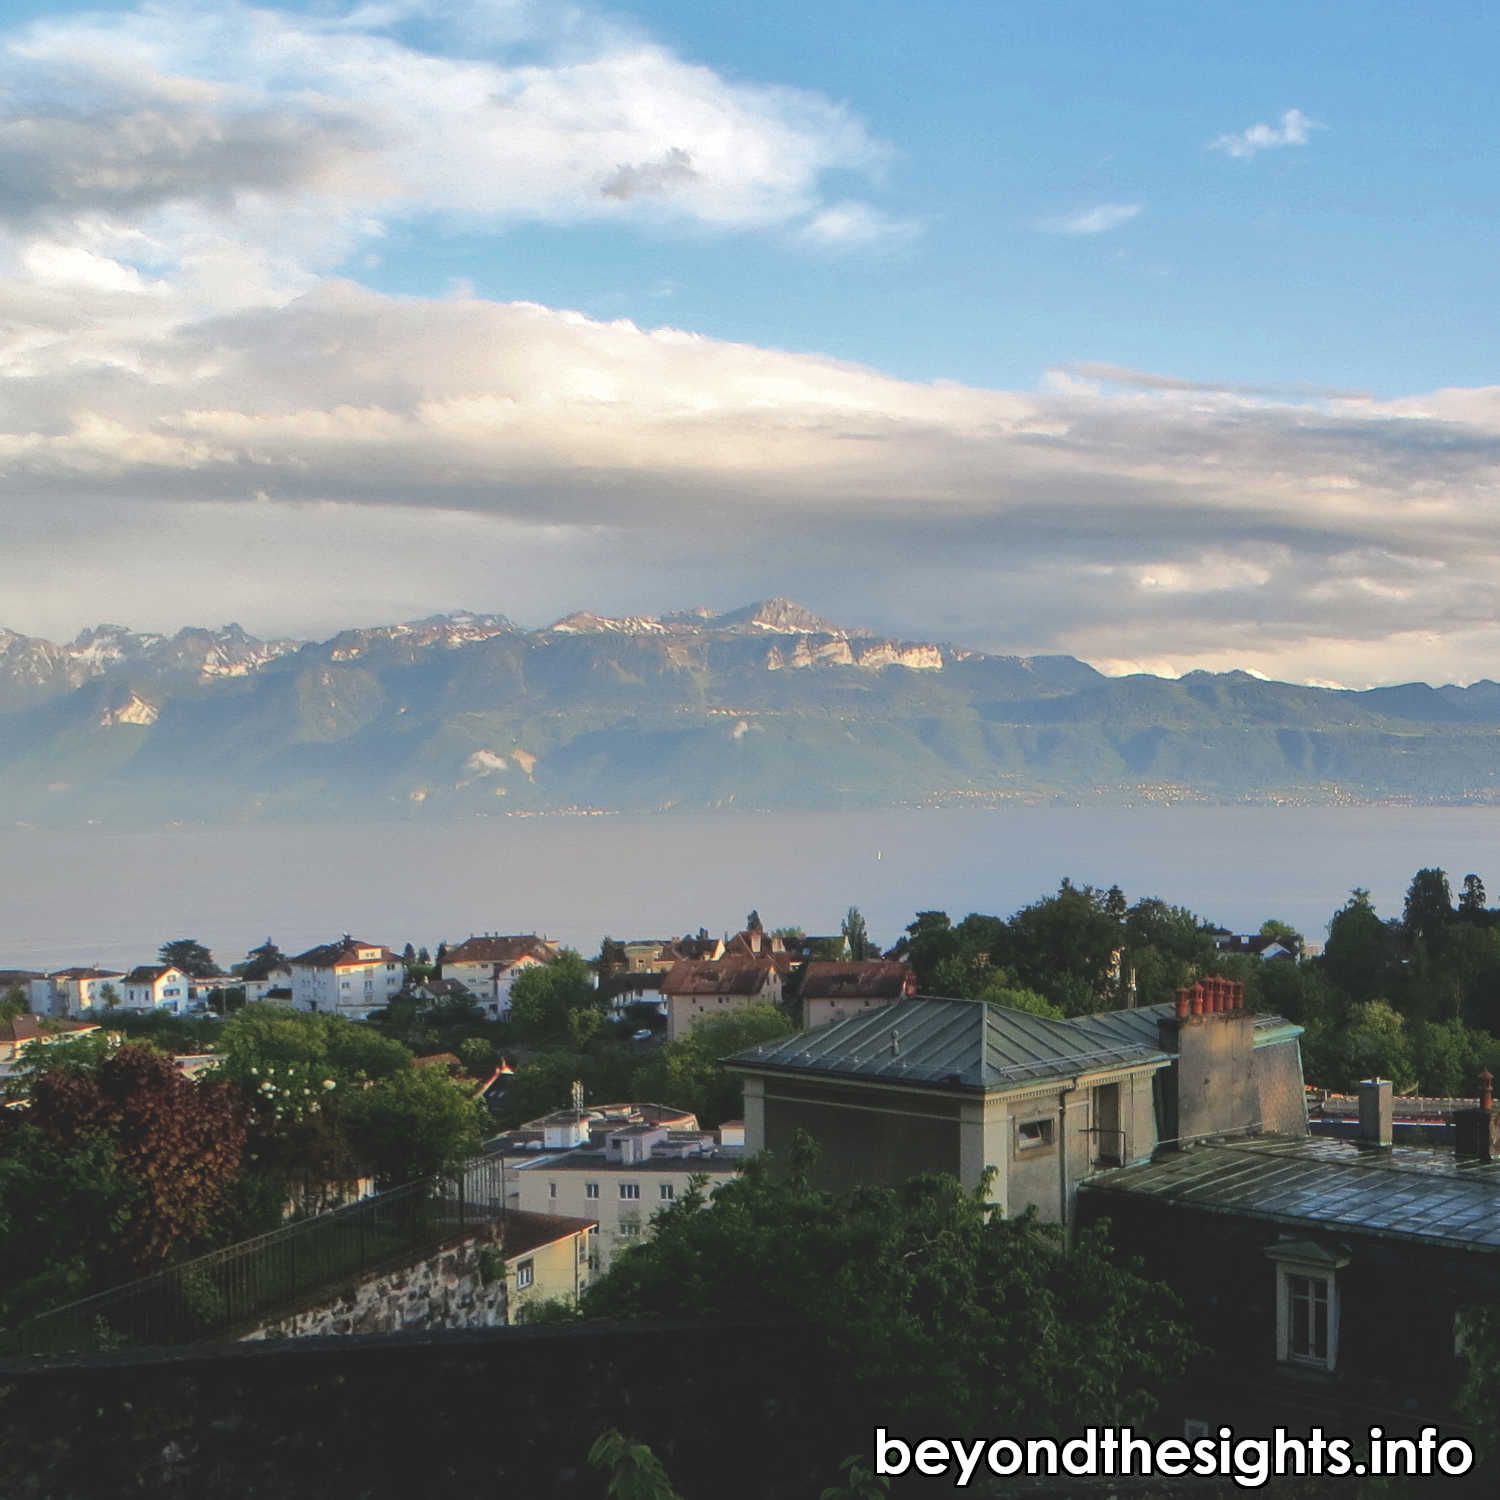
x=1307, y=1303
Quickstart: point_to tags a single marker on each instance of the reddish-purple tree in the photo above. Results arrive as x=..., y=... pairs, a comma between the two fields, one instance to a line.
x=178, y=1143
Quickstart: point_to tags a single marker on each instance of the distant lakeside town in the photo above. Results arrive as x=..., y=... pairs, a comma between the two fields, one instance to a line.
x=359, y=1138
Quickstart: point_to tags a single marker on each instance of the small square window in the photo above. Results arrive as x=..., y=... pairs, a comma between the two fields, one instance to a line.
x=668, y=1191
x=525, y=1274
x=1033, y=1134
x=591, y=1190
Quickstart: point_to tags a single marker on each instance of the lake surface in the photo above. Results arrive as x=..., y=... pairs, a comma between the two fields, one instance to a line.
x=113, y=898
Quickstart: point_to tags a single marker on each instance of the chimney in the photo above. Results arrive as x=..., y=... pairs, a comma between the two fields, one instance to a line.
x=1477, y=1131
x=1377, y=1112
x=1212, y=1089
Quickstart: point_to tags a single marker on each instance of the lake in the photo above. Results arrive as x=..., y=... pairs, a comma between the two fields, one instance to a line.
x=113, y=898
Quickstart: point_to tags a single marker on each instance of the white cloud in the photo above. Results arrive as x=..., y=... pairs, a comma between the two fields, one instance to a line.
x=1097, y=220
x=852, y=225
x=1292, y=131
x=169, y=133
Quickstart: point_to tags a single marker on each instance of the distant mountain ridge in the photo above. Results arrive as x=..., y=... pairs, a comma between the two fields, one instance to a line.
x=768, y=706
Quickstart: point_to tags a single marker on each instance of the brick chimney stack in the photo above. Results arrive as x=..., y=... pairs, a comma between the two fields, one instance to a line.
x=1477, y=1131
x=1212, y=1089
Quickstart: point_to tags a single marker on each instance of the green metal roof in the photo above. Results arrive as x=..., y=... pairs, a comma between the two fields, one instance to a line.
x=964, y=1044
x=1403, y=1192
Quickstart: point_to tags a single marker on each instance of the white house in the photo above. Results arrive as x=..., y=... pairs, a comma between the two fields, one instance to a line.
x=156, y=987
x=81, y=992
x=487, y=966
x=348, y=978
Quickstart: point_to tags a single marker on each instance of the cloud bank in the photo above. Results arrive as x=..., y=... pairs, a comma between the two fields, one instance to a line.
x=204, y=416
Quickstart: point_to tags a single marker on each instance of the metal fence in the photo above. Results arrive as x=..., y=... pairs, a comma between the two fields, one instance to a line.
x=233, y=1290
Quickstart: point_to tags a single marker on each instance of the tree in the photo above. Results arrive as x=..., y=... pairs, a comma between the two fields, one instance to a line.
x=1428, y=909
x=1471, y=902
x=1064, y=946
x=1358, y=950
x=414, y=1124
x=1001, y=1330
x=1010, y=998
x=190, y=956
x=176, y=1144
x=612, y=959
x=753, y=922
x=110, y=996
x=545, y=998
x=15, y=1002
x=1283, y=932
x=690, y=1074
x=929, y=939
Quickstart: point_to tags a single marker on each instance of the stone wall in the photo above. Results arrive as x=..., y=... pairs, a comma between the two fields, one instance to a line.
x=447, y=1290
x=752, y=1411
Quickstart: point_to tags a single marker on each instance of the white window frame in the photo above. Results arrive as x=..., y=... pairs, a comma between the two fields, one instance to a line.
x=630, y=1191
x=669, y=1192
x=1303, y=1261
x=591, y=1190
x=525, y=1274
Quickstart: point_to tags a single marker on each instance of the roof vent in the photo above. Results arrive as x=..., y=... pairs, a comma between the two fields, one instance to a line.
x=895, y=1041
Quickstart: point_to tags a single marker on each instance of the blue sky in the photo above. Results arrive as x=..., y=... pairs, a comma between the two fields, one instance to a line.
x=1160, y=334
x=1362, y=259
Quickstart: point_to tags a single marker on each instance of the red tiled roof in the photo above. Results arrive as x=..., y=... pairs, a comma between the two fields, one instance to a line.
x=150, y=973
x=729, y=976
x=500, y=950
x=345, y=951
x=850, y=979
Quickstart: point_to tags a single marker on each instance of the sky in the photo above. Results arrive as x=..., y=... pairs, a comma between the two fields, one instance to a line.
x=1159, y=334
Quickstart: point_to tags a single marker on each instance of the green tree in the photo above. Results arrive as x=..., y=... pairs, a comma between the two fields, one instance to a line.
x=14, y=1002
x=413, y=1124
x=929, y=940
x=1010, y=998
x=1064, y=947
x=1428, y=909
x=1376, y=1045
x=190, y=956
x=545, y=996
x=1471, y=902
x=477, y=1055
x=690, y=1074
x=1358, y=953
x=1007, y=1332
x=1283, y=932
x=857, y=935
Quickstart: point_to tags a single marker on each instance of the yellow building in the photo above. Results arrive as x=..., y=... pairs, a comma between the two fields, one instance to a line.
x=546, y=1259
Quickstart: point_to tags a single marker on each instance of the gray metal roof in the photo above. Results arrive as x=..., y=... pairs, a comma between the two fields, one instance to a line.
x=958, y=1043
x=1404, y=1193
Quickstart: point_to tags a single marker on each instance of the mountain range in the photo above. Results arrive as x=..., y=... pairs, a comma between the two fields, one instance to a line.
x=765, y=707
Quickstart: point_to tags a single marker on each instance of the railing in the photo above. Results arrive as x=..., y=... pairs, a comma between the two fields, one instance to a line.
x=232, y=1290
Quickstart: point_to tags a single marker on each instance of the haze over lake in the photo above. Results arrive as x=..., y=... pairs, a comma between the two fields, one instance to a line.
x=113, y=898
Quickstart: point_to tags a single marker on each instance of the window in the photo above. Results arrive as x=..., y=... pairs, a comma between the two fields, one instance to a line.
x=525, y=1274
x=1307, y=1338
x=668, y=1191
x=1032, y=1134
x=591, y=1190
x=583, y=1248
x=552, y=1190
x=630, y=1229
x=630, y=1190
x=1307, y=1303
